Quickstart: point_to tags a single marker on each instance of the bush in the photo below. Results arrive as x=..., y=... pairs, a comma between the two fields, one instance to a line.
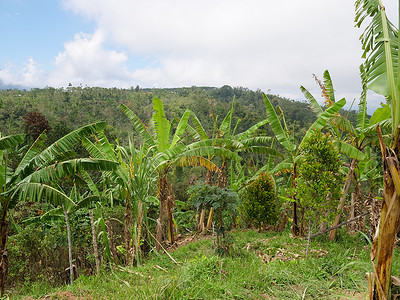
x=259, y=202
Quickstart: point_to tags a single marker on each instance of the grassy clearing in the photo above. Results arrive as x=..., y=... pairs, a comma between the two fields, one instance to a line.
x=258, y=266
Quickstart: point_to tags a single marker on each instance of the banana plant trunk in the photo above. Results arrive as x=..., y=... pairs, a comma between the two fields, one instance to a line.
x=127, y=233
x=383, y=244
x=3, y=246
x=332, y=234
x=166, y=204
x=94, y=238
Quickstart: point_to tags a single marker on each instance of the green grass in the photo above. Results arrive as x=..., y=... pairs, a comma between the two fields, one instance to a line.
x=258, y=266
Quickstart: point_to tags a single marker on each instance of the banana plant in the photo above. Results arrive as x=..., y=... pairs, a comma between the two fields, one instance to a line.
x=32, y=177
x=381, y=44
x=168, y=150
x=292, y=150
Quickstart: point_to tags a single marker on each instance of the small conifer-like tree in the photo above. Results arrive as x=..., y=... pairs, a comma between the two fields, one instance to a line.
x=259, y=202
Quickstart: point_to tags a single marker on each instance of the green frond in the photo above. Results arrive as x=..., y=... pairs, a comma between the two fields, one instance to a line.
x=323, y=119
x=181, y=127
x=198, y=126
x=280, y=134
x=69, y=167
x=66, y=143
x=350, y=150
x=11, y=141
x=33, y=191
x=246, y=134
x=138, y=126
x=329, y=86
x=161, y=124
x=314, y=105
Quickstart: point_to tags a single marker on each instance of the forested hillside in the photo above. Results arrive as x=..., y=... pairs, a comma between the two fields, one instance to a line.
x=72, y=107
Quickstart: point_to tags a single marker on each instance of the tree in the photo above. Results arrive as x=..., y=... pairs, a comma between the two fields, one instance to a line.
x=35, y=124
x=319, y=177
x=31, y=178
x=380, y=43
x=289, y=164
x=169, y=149
x=259, y=201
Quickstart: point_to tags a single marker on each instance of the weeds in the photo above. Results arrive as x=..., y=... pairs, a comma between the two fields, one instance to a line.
x=333, y=270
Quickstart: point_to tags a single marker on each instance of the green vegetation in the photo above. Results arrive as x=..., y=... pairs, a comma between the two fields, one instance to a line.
x=111, y=199
x=260, y=265
x=259, y=204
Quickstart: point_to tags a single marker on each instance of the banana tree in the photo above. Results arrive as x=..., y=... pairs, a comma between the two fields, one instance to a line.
x=29, y=180
x=133, y=181
x=292, y=151
x=380, y=43
x=169, y=150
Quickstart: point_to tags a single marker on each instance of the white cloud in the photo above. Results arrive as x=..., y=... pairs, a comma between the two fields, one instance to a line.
x=28, y=76
x=86, y=61
x=264, y=44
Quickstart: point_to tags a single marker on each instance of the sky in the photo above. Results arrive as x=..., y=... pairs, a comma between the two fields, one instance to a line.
x=274, y=46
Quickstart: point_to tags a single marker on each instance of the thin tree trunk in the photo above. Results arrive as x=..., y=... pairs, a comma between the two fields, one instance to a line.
x=210, y=217
x=3, y=248
x=295, y=226
x=170, y=219
x=352, y=211
x=95, y=249
x=127, y=233
x=382, y=247
x=332, y=234
x=200, y=226
x=71, y=269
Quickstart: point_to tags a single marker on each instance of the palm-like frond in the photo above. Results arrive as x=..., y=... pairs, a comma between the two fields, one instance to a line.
x=34, y=190
x=162, y=125
x=69, y=167
x=380, y=44
x=314, y=105
x=138, y=126
x=322, y=119
x=11, y=141
x=181, y=127
x=198, y=126
x=246, y=134
x=329, y=86
x=280, y=134
x=66, y=143
x=349, y=150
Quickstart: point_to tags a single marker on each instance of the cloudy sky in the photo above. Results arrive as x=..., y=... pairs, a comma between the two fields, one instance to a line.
x=274, y=46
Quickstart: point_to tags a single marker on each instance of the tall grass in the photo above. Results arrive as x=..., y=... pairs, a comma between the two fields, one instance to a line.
x=257, y=266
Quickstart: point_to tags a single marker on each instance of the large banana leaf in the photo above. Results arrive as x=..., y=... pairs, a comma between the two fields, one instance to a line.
x=69, y=167
x=329, y=86
x=198, y=126
x=314, y=105
x=323, y=119
x=34, y=191
x=162, y=125
x=380, y=42
x=246, y=134
x=138, y=126
x=381, y=114
x=350, y=150
x=225, y=128
x=66, y=143
x=280, y=134
x=11, y=141
x=181, y=127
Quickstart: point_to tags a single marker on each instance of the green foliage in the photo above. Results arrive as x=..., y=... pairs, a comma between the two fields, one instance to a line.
x=319, y=180
x=332, y=271
x=259, y=201
x=220, y=199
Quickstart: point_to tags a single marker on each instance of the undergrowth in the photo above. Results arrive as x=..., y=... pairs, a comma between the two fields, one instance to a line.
x=257, y=266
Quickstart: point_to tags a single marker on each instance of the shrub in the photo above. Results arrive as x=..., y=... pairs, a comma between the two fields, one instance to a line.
x=259, y=202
